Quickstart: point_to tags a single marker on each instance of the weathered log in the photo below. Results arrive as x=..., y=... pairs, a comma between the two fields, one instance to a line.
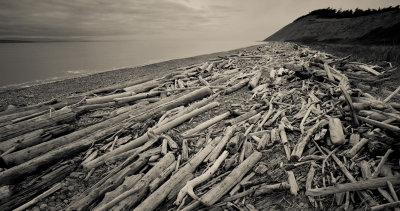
x=144, y=138
x=254, y=80
x=369, y=69
x=34, y=137
x=299, y=148
x=386, y=206
x=31, y=191
x=162, y=177
x=91, y=107
x=98, y=190
x=15, y=173
x=381, y=163
x=284, y=140
x=128, y=183
x=158, y=196
x=242, y=117
x=107, y=98
x=143, y=87
x=53, y=189
x=206, y=124
x=117, y=86
x=64, y=115
x=353, y=151
x=215, y=194
x=128, y=108
x=380, y=124
x=129, y=99
x=131, y=197
x=274, y=118
x=354, y=186
x=188, y=188
x=237, y=86
x=221, y=143
x=265, y=139
x=350, y=104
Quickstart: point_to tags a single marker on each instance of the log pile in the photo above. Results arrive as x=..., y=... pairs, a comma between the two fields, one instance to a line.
x=232, y=132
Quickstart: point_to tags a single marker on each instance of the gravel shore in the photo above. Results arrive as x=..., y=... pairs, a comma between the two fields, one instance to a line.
x=61, y=89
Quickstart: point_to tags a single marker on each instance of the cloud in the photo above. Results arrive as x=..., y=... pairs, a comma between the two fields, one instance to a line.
x=154, y=19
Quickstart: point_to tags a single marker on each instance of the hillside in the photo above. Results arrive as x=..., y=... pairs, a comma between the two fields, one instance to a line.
x=381, y=28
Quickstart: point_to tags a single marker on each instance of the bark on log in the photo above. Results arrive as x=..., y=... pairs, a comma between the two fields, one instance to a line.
x=215, y=194
x=206, y=124
x=34, y=137
x=64, y=115
x=158, y=196
x=15, y=173
x=299, y=148
x=354, y=186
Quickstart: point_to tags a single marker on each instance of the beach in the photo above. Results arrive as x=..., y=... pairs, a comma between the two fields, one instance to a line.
x=73, y=86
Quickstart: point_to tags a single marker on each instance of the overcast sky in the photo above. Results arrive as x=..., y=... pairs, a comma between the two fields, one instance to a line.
x=156, y=19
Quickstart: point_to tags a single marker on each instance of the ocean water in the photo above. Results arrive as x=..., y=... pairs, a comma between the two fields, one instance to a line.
x=24, y=64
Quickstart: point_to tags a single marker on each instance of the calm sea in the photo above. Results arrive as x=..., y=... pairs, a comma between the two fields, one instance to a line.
x=30, y=63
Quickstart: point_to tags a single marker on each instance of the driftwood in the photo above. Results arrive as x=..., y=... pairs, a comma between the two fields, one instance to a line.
x=356, y=148
x=395, y=92
x=129, y=99
x=55, y=188
x=141, y=140
x=162, y=177
x=221, y=143
x=158, y=196
x=131, y=197
x=379, y=124
x=107, y=98
x=236, y=87
x=15, y=173
x=242, y=117
x=34, y=137
x=386, y=206
x=146, y=86
x=301, y=144
x=354, y=186
x=254, y=80
x=31, y=191
x=212, y=196
x=206, y=124
x=64, y=115
x=336, y=131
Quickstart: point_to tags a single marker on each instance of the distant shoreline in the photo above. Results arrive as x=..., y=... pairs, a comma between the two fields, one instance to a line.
x=66, y=87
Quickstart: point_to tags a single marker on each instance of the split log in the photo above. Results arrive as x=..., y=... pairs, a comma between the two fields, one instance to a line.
x=299, y=148
x=206, y=124
x=144, y=138
x=143, y=87
x=221, y=144
x=237, y=86
x=129, y=99
x=64, y=115
x=354, y=186
x=130, y=198
x=242, y=117
x=128, y=108
x=34, y=137
x=15, y=173
x=254, y=80
x=158, y=196
x=31, y=191
x=219, y=190
x=284, y=140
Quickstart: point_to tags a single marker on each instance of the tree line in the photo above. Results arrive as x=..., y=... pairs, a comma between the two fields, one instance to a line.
x=333, y=13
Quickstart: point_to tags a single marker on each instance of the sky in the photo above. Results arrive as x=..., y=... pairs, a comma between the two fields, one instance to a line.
x=159, y=19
